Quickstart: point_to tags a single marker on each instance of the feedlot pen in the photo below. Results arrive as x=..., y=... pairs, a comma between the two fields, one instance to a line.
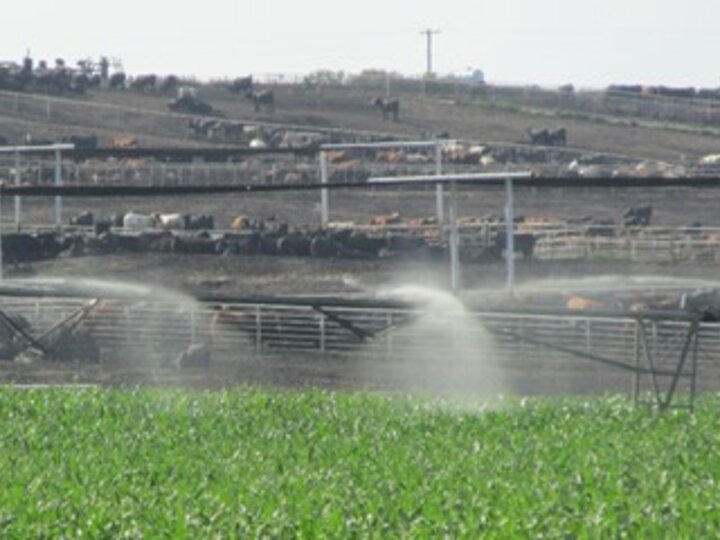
x=627, y=352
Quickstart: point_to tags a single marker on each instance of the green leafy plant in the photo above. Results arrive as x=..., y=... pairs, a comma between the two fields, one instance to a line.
x=251, y=463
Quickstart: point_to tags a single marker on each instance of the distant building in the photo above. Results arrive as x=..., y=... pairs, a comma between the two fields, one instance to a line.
x=472, y=76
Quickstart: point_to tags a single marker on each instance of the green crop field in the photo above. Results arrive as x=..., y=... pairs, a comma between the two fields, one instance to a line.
x=259, y=463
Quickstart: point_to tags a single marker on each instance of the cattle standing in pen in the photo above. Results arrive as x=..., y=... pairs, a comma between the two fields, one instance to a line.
x=241, y=85
x=390, y=108
x=264, y=99
x=548, y=137
x=117, y=81
x=144, y=83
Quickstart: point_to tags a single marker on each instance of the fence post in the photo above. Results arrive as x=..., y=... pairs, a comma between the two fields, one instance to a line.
x=636, y=377
x=258, y=330
x=18, y=201
x=321, y=322
x=58, y=182
x=324, y=200
x=509, y=235
x=439, y=207
x=588, y=336
x=193, y=326
x=388, y=335
x=1, y=246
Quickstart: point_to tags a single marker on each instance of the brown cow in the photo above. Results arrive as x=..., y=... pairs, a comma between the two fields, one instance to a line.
x=580, y=303
x=124, y=142
x=240, y=223
x=383, y=221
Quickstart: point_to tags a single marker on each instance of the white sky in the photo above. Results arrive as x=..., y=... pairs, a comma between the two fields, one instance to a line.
x=586, y=42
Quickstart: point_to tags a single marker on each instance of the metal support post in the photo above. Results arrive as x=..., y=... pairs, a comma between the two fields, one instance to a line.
x=18, y=201
x=193, y=326
x=509, y=235
x=693, y=379
x=1, y=233
x=691, y=335
x=258, y=330
x=58, y=182
x=649, y=359
x=454, y=241
x=321, y=322
x=636, y=375
x=439, y=204
x=324, y=201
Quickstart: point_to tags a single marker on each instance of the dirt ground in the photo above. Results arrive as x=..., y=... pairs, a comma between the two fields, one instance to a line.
x=276, y=275
x=146, y=116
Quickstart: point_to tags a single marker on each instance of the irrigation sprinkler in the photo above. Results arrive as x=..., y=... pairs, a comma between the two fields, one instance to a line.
x=347, y=323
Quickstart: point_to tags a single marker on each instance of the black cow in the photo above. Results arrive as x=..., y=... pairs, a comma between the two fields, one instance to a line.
x=548, y=137
x=390, y=107
x=522, y=242
x=264, y=99
x=79, y=82
x=117, y=81
x=88, y=142
x=170, y=83
x=325, y=246
x=199, y=222
x=144, y=83
x=240, y=244
x=203, y=127
x=241, y=85
x=86, y=219
x=638, y=216
x=294, y=244
x=23, y=247
x=194, y=244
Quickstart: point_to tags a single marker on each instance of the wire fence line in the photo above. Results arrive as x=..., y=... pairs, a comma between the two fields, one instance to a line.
x=622, y=104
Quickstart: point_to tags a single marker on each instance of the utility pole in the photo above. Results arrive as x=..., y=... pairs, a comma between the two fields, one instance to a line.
x=428, y=36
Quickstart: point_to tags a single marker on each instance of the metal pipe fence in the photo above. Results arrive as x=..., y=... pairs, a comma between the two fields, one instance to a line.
x=163, y=328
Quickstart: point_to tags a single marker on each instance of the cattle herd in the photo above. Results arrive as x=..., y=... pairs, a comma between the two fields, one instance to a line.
x=132, y=232
x=666, y=91
x=382, y=237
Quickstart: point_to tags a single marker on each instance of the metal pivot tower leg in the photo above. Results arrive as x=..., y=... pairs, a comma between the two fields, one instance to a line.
x=1, y=233
x=663, y=399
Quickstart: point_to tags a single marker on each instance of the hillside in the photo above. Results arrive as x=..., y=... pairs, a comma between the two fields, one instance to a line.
x=109, y=113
